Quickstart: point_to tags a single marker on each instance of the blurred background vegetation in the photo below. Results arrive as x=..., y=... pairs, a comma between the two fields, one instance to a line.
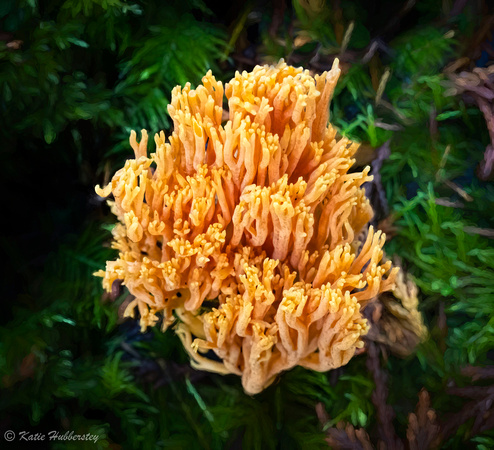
x=77, y=75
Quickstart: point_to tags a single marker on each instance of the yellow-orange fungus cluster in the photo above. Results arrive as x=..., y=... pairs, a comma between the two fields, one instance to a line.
x=245, y=233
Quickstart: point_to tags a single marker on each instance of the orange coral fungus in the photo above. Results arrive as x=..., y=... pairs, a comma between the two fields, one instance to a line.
x=258, y=217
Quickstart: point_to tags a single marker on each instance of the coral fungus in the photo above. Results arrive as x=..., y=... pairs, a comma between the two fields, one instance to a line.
x=246, y=233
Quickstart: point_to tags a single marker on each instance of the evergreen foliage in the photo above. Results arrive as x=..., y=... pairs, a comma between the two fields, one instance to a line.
x=77, y=75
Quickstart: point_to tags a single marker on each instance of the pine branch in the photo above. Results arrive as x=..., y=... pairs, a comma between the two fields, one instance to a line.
x=478, y=373
x=423, y=430
x=385, y=413
x=344, y=436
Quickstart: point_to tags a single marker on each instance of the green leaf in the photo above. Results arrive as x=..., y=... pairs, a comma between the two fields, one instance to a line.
x=448, y=115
